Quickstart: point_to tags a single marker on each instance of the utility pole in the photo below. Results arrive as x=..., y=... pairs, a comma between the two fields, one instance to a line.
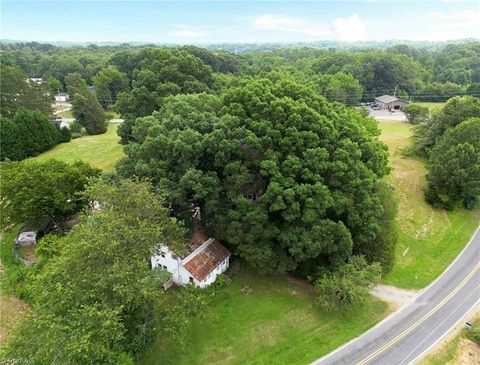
x=395, y=92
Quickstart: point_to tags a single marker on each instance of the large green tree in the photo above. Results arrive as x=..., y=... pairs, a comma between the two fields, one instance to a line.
x=454, y=167
x=27, y=134
x=85, y=106
x=109, y=82
x=161, y=72
x=16, y=93
x=455, y=111
x=89, y=113
x=342, y=88
x=93, y=300
x=278, y=171
x=34, y=190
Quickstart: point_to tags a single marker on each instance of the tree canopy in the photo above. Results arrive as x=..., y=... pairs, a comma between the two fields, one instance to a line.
x=32, y=191
x=94, y=298
x=455, y=111
x=16, y=93
x=161, y=72
x=109, y=82
x=277, y=171
x=454, y=174
x=27, y=134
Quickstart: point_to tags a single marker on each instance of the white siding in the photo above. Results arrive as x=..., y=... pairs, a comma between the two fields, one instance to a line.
x=180, y=276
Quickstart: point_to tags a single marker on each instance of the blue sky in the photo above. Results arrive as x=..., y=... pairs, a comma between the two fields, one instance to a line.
x=197, y=22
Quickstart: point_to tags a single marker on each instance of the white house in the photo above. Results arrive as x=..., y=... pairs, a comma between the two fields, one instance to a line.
x=35, y=80
x=205, y=260
x=61, y=97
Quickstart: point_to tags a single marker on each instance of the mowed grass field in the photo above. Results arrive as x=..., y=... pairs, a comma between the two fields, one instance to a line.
x=429, y=239
x=102, y=151
x=278, y=323
x=432, y=105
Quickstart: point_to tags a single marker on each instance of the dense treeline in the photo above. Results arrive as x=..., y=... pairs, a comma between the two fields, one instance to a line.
x=450, y=139
x=29, y=133
x=431, y=73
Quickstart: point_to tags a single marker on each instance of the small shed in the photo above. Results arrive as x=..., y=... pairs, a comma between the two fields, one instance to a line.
x=29, y=235
x=390, y=102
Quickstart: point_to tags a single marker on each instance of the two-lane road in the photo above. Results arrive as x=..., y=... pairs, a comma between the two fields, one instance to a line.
x=407, y=335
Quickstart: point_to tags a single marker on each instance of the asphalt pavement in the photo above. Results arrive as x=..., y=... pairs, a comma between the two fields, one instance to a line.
x=408, y=334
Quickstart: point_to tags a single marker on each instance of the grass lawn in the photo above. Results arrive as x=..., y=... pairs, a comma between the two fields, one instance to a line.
x=9, y=267
x=429, y=239
x=432, y=105
x=102, y=151
x=65, y=114
x=11, y=308
x=278, y=323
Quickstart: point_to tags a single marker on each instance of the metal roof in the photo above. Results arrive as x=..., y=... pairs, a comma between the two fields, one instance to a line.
x=385, y=99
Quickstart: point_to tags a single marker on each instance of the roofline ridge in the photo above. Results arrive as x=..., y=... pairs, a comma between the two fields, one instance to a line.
x=199, y=249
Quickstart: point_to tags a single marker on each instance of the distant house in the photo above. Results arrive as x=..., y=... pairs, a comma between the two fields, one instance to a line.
x=61, y=123
x=61, y=97
x=389, y=102
x=35, y=80
x=200, y=266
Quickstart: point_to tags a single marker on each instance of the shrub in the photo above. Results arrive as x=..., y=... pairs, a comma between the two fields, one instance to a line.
x=416, y=113
x=347, y=286
x=65, y=135
x=75, y=127
x=27, y=134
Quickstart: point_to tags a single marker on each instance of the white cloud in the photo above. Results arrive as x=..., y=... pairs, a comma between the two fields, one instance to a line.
x=350, y=29
x=288, y=24
x=457, y=19
x=345, y=29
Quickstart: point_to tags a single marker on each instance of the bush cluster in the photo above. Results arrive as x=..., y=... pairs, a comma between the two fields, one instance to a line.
x=29, y=133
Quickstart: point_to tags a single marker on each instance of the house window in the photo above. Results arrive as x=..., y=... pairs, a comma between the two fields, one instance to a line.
x=191, y=280
x=250, y=196
x=162, y=254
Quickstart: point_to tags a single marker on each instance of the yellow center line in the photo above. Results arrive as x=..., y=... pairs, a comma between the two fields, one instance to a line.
x=422, y=319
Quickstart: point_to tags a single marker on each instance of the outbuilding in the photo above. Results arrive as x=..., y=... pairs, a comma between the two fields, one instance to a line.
x=389, y=102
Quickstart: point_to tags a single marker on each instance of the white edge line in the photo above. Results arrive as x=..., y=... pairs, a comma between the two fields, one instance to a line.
x=398, y=311
x=445, y=319
x=445, y=333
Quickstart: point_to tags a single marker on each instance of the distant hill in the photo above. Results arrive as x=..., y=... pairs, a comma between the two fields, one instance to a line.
x=243, y=47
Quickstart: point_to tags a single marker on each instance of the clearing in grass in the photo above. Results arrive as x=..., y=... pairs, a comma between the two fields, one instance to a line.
x=277, y=323
x=429, y=238
x=101, y=151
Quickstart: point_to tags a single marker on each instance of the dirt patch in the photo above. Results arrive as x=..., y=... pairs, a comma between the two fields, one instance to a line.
x=301, y=283
x=11, y=310
x=393, y=295
x=468, y=353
